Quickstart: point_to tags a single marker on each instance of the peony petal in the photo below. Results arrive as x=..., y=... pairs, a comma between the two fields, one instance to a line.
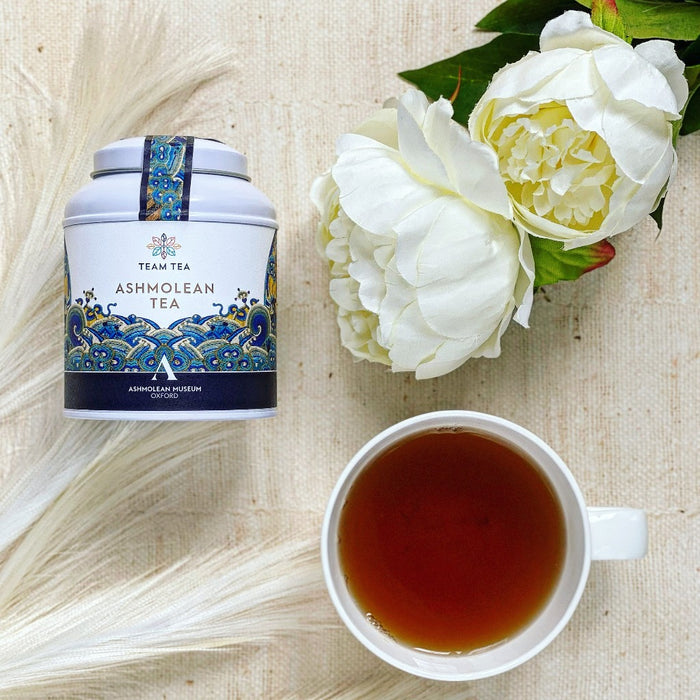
x=381, y=126
x=634, y=203
x=375, y=189
x=578, y=78
x=323, y=189
x=343, y=291
x=476, y=175
x=419, y=157
x=411, y=235
x=463, y=264
x=629, y=76
x=472, y=307
x=399, y=295
x=324, y=195
x=364, y=268
x=370, y=278
x=451, y=354
x=435, y=368
x=411, y=341
x=530, y=73
x=415, y=103
x=574, y=29
x=437, y=127
x=337, y=251
x=615, y=121
x=544, y=228
x=491, y=347
x=652, y=139
x=524, y=290
x=447, y=358
x=662, y=55
x=358, y=334
x=472, y=167
x=401, y=327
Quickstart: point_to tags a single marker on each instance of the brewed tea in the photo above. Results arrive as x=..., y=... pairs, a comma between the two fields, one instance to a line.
x=451, y=541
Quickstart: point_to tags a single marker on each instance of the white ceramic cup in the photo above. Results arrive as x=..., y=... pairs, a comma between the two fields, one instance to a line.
x=591, y=533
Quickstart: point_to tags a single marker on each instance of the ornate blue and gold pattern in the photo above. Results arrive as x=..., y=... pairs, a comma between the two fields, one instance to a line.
x=167, y=173
x=240, y=338
x=99, y=341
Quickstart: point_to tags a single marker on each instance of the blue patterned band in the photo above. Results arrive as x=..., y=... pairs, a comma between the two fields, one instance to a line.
x=165, y=181
x=240, y=337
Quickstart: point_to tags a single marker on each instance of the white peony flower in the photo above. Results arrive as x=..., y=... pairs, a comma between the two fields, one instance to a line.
x=426, y=268
x=583, y=130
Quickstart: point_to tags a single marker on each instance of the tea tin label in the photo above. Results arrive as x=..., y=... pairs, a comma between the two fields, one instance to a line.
x=170, y=316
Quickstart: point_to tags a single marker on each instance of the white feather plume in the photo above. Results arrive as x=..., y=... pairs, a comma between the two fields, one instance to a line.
x=205, y=603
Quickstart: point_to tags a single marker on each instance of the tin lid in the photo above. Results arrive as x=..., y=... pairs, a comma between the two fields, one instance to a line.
x=157, y=181
x=208, y=156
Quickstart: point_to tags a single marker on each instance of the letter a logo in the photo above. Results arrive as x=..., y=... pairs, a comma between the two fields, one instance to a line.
x=164, y=366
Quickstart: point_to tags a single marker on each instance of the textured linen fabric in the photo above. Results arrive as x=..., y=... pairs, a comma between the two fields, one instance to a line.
x=607, y=373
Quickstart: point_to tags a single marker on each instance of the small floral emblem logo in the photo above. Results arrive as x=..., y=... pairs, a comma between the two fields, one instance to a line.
x=163, y=246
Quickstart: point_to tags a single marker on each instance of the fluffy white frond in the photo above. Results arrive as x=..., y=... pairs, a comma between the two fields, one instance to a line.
x=247, y=597
x=93, y=472
x=66, y=610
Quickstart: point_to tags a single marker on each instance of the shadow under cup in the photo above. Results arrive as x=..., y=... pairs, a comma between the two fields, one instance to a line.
x=528, y=640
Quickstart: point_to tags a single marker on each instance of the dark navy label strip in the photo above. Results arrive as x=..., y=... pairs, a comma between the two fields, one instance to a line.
x=145, y=177
x=191, y=391
x=189, y=152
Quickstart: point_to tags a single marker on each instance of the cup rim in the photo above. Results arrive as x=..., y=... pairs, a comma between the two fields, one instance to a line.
x=445, y=418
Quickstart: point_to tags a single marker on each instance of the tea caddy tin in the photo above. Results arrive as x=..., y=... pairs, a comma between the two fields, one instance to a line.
x=170, y=285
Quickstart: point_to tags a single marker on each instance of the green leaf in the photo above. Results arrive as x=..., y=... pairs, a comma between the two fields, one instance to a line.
x=468, y=74
x=690, y=55
x=658, y=213
x=691, y=111
x=553, y=263
x=604, y=14
x=692, y=75
x=524, y=16
x=659, y=19
x=691, y=115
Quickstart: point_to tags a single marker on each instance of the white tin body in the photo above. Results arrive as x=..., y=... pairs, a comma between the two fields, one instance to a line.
x=170, y=286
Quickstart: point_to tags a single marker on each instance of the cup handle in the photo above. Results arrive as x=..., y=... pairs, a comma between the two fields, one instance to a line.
x=618, y=533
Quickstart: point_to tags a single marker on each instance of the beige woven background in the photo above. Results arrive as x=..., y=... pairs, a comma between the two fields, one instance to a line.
x=607, y=373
